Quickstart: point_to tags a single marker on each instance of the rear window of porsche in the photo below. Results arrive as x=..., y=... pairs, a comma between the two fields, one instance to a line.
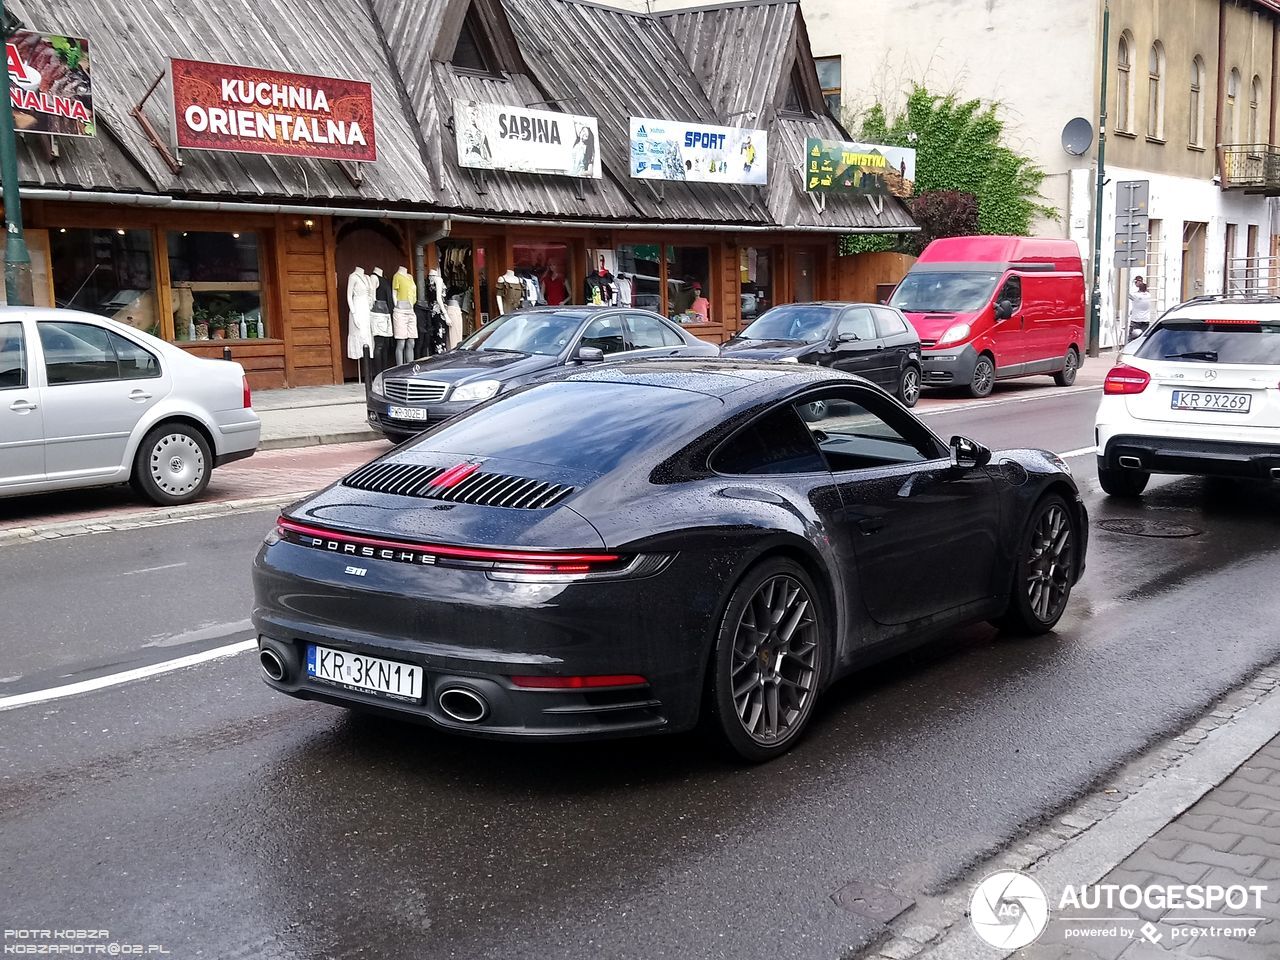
x=1214, y=341
x=589, y=426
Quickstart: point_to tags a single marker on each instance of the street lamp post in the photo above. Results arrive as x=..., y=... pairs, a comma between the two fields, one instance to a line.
x=17, y=260
x=1095, y=307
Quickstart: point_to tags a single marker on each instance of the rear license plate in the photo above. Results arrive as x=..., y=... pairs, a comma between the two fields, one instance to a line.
x=399, y=681
x=406, y=413
x=1211, y=400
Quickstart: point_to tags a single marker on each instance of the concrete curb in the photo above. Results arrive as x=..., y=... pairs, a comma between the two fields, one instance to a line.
x=318, y=439
x=152, y=518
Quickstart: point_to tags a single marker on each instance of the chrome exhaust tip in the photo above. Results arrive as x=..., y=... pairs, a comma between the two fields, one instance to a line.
x=272, y=665
x=1131, y=463
x=1275, y=473
x=463, y=705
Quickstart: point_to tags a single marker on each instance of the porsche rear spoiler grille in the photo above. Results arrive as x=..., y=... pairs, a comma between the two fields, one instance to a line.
x=457, y=485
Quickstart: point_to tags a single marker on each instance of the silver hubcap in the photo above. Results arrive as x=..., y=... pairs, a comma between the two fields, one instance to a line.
x=775, y=660
x=1049, y=564
x=1069, y=372
x=910, y=386
x=982, y=376
x=177, y=464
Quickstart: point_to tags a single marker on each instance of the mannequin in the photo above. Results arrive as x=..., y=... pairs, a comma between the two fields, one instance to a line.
x=380, y=320
x=359, y=332
x=511, y=292
x=453, y=320
x=433, y=333
x=403, y=325
x=555, y=289
x=599, y=287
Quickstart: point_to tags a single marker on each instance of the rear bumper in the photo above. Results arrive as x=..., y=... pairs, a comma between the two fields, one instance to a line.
x=948, y=365
x=1219, y=458
x=380, y=418
x=237, y=439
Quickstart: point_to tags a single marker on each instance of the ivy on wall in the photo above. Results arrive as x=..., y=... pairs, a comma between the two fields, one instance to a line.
x=959, y=147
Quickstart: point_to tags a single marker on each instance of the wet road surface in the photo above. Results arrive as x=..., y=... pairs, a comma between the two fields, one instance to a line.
x=198, y=810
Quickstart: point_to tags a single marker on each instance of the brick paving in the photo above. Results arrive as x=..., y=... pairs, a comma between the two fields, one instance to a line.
x=1231, y=836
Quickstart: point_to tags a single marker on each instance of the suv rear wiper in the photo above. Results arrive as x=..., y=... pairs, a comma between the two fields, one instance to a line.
x=1208, y=355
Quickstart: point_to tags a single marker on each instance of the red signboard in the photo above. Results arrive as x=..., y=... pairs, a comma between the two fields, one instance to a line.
x=217, y=106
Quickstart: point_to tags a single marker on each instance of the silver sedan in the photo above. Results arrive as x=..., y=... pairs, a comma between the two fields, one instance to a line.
x=86, y=401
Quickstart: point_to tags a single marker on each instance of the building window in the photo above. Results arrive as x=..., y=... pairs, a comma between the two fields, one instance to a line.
x=1196, y=113
x=829, y=80
x=1124, y=85
x=108, y=272
x=688, y=287
x=1255, y=101
x=640, y=265
x=1229, y=107
x=216, y=283
x=641, y=269
x=755, y=290
x=473, y=51
x=1155, y=91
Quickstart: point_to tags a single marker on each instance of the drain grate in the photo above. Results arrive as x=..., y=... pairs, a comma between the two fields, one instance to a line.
x=1148, y=528
x=866, y=900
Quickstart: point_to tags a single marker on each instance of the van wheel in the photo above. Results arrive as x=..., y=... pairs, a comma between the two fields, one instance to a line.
x=1070, y=367
x=173, y=465
x=984, y=377
x=909, y=386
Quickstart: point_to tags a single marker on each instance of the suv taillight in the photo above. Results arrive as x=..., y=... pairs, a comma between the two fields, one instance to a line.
x=248, y=397
x=1125, y=379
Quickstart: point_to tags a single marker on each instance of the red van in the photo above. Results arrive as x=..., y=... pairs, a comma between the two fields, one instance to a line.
x=994, y=308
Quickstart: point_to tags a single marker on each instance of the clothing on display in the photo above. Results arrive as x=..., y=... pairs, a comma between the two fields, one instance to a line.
x=403, y=286
x=511, y=292
x=555, y=288
x=359, y=330
x=624, y=287
x=600, y=288
x=531, y=292
x=453, y=320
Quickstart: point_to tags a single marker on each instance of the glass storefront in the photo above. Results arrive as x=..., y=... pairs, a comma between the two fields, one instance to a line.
x=639, y=276
x=755, y=291
x=108, y=272
x=688, y=274
x=544, y=266
x=641, y=269
x=216, y=285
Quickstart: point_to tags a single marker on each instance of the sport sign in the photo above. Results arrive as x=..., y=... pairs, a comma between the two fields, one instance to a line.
x=218, y=106
x=671, y=150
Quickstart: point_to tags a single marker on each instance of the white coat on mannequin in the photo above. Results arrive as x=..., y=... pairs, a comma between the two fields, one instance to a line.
x=359, y=332
x=453, y=320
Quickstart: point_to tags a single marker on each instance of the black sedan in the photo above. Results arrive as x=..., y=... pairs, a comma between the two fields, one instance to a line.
x=631, y=547
x=513, y=350
x=867, y=339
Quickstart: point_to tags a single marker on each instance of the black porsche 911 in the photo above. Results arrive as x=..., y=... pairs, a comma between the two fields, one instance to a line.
x=635, y=546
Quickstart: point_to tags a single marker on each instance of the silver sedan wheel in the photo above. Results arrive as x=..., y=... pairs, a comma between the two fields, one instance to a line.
x=177, y=464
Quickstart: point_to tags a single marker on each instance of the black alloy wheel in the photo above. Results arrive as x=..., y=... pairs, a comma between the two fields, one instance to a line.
x=1045, y=569
x=1070, y=367
x=909, y=386
x=769, y=661
x=984, y=377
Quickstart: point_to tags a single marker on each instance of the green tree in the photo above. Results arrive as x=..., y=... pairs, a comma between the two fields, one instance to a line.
x=959, y=147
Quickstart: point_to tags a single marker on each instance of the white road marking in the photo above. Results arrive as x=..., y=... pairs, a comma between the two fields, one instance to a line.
x=114, y=679
x=167, y=566
x=1078, y=453
x=982, y=404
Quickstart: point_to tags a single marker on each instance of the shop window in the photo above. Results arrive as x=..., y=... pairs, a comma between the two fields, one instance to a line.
x=639, y=276
x=543, y=265
x=755, y=291
x=688, y=271
x=217, y=285
x=107, y=272
x=829, y=80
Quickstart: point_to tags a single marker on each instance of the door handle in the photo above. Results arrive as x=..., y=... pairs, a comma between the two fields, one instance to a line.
x=22, y=406
x=871, y=525
x=139, y=395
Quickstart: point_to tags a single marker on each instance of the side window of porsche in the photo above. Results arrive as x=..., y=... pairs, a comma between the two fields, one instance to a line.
x=774, y=443
x=857, y=432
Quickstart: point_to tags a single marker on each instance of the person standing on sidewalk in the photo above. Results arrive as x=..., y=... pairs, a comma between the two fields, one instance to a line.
x=1139, y=309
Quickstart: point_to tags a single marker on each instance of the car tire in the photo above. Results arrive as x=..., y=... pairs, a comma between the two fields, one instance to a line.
x=984, y=377
x=767, y=718
x=1126, y=484
x=1070, y=367
x=173, y=465
x=395, y=439
x=1044, y=569
x=909, y=385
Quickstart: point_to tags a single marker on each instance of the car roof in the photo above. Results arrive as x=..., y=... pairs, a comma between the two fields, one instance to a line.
x=1225, y=308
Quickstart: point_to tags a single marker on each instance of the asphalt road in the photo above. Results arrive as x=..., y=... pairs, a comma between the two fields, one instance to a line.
x=198, y=810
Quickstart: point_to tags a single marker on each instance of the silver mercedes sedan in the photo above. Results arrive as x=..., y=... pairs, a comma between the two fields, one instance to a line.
x=87, y=402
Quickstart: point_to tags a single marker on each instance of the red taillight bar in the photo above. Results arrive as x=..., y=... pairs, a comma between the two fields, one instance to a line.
x=248, y=395
x=560, y=562
x=1234, y=323
x=1124, y=379
x=579, y=683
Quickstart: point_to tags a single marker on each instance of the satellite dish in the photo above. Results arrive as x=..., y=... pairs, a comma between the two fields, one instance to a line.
x=1077, y=137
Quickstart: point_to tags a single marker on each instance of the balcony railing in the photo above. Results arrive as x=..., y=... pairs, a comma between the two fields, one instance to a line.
x=1251, y=166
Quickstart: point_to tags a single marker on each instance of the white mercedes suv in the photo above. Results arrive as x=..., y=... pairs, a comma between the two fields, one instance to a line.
x=1198, y=394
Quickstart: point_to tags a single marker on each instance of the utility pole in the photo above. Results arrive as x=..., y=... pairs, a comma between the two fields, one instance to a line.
x=1095, y=308
x=17, y=261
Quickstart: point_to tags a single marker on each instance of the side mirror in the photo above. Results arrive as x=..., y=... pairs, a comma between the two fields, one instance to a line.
x=590, y=355
x=968, y=454
x=846, y=338
x=1004, y=309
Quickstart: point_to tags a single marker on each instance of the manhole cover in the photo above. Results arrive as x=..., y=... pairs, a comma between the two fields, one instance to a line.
x=1149, y=528
x=866, y=900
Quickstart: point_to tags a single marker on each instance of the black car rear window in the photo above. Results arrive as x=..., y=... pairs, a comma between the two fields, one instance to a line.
x=775, y=443
x=587, y=426
x=1224, y=342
